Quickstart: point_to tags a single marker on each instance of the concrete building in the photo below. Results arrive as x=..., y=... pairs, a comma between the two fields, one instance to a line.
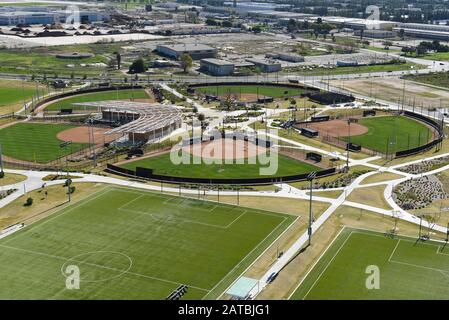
x=217, y=67
x=196, y=51
x=10, y=16
x=357, y=24
x=244, y=7
x=427, y=31
x=375, y=33
x=265, y=65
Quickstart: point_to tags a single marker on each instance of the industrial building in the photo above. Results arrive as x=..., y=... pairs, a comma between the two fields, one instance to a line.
x=217, y=67
x=375, y=33
x=14, y=16
x=357, y=24
x=196, y=51
x=427, y=31
x=141, y=122
x=244, y=7
x=265, y=65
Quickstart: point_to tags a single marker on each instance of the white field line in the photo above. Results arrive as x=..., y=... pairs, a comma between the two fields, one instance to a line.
x=131, y=201
x=61, y=212
x=98, y=266
x=394, y=250
x=327, y=266
x=316, y=262
x=249, y=253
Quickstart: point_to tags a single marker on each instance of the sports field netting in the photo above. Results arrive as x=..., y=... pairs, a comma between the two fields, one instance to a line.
x=131, y=244
x=408, y=269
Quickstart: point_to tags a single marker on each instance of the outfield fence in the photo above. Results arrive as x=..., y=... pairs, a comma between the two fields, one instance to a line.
x=147, y=173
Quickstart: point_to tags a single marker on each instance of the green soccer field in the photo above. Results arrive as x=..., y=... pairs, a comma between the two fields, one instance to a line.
x=36, y=141
x=67, y=103
x=267, y=90
x=407, y=269
x=403, y=133
x=131, y=244
x=163, y=165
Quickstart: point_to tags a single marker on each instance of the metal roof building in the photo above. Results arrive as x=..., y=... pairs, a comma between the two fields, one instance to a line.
x=140, y=121
x=196, y=51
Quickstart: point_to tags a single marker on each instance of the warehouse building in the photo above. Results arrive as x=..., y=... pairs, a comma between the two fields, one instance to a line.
x=426, y=31
x=266, y=65
x=196, y=51
x=375, y=33
x=217, y=67
x=10, y=17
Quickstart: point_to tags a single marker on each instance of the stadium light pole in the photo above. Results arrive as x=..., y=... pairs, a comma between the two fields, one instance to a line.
x=310, y=177
x=420, y=226
x=1, y=162
x=65, y=145
x=349, y=143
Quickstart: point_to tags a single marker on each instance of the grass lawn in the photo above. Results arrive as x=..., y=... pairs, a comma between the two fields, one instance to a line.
x=128, y=94
x=263, y=90
x=39, y=62
x=162, y=165
x=440, y=79
x=408, y=270
x=11, y=178
x=14, y=93
x=131, y=244
x=35, y=141
x=406, y=132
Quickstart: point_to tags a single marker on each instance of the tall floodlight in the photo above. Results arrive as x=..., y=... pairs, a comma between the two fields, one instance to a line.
x=310, y=178
x=68, y=182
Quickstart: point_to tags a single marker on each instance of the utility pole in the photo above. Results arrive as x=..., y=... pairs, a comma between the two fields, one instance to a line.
x=348, y=145
x=2, y=173
x=68, y=182
x=310, y=177
x=420, y=226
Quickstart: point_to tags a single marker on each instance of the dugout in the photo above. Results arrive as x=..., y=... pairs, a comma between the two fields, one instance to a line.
x=314, y=156
x=309, y=133
x=367, y=113
x=353, y=147
x=320, y=118
x=265, y=100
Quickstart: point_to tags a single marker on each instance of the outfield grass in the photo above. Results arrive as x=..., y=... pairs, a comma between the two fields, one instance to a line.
x=408, y=269
x=35, y=141
x=14, y=93
x=131, y=244
x=163, y=165
x=406, y=132
x=263, y=90
x=66, y=103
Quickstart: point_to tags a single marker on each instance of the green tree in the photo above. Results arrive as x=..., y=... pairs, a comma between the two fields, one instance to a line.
x=137, y=66
x=186, y=62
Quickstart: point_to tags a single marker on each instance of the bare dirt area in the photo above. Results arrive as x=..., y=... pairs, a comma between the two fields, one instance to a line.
x=225, y=149
x=81, y=135
x=337, y=128
x=391, y=89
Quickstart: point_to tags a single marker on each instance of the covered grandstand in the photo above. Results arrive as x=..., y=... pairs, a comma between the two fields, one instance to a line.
x=142, y=122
